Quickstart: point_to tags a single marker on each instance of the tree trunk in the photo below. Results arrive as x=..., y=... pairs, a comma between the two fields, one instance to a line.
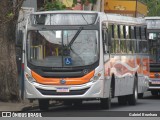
x=97, y=6
x=9, y=90
x=94, y=7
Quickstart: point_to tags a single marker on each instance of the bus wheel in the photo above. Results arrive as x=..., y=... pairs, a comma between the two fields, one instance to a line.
x=122, y=100
x=132, y=99
x=154, y=92
x=106, y=102
x=140, y=95
x=43, y=104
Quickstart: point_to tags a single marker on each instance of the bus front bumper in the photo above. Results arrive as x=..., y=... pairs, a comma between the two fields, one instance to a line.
x=85, y=91
x=154, y=84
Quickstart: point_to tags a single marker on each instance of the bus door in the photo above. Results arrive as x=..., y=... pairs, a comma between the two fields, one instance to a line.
x=106, y=37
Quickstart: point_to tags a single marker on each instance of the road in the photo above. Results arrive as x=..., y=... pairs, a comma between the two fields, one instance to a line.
x=92, y=108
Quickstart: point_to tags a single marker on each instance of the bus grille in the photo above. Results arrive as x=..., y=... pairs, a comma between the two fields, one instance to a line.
x=53, y=92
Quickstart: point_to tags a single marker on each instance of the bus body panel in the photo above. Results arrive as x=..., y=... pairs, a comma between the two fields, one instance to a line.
x=94, y=91
x=153, y=31
x=123, y=67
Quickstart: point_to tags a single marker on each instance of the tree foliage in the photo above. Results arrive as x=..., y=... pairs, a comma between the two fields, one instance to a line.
x=153, y=7
x=84, y=1
x=54, y=5
x=58, y=5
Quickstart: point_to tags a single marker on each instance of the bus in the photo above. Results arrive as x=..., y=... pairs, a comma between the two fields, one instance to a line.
x=153, y=29
x=73, y=56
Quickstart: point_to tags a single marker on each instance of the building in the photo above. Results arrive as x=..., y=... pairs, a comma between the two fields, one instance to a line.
x=132, y=8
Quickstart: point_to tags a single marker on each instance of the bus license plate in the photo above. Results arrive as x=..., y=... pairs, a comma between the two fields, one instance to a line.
x=156, y=82
x=62, y=90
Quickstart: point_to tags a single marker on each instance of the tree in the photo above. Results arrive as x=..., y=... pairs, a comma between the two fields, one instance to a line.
x=87, y=5
x=9, y=11
x=153, y=7
x=54, y=5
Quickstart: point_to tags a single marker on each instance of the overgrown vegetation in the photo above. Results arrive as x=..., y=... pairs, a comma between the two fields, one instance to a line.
x=58, y=5
x=153, y=7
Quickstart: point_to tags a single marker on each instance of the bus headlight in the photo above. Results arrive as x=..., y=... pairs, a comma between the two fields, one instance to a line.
x=96, y=77
x=29, y=78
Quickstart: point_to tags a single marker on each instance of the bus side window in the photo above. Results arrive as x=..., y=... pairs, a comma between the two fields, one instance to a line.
x=116, y=39
x=133, y=45
x=128, y=46
x=105, y=38
x=139, y=40
x=112, y=39
x=140, y=33
x=110, y=36
x=137, y=32
x=128, y=40
x=123, y=39
x=144, y=40
x=146, y=36
x=143, y=33
x=134, y=37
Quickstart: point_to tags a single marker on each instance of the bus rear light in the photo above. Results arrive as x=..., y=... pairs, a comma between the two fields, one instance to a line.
x=29, y=78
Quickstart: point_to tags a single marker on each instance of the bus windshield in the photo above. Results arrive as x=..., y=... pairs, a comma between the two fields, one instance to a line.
x=62, y=48
x=154, y=47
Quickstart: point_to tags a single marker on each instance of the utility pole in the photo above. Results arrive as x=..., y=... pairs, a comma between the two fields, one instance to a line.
x=136, y=9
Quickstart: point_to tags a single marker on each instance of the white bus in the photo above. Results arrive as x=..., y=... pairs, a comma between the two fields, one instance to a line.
x=76, y=55
x=153, y=30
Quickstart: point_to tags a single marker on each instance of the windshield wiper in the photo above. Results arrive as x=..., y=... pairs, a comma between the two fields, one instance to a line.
x=75, y=36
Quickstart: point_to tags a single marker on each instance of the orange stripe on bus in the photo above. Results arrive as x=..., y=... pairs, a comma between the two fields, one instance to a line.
x=152, y=74
x=56, y=81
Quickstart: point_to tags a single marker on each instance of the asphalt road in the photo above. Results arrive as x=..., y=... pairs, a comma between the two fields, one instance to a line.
x=148, y=104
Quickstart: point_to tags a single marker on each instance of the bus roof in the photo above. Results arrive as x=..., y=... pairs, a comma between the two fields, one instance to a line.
x=64, y=11
x=153, y=23
x=113, y=18
x=125, y=19
x=153, y=18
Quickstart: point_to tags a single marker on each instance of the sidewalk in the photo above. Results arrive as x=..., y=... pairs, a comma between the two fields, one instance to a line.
x=23, y=106
x=9, y=106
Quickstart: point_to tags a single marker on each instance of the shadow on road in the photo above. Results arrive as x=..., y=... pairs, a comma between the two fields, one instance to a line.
x=152, y=97
x=95, y=106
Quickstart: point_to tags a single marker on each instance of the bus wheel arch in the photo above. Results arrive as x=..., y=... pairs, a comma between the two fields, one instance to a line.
x=140, y=95
x=106, y=102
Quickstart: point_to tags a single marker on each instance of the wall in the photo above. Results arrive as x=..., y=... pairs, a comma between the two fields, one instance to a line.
x=125, y=7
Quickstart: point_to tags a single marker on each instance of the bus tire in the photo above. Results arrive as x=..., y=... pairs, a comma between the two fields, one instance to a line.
x=106, y=102
x=122, y=100
x=155, y=93
x=140, y=95
x=132, y=99
x=43, y=104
